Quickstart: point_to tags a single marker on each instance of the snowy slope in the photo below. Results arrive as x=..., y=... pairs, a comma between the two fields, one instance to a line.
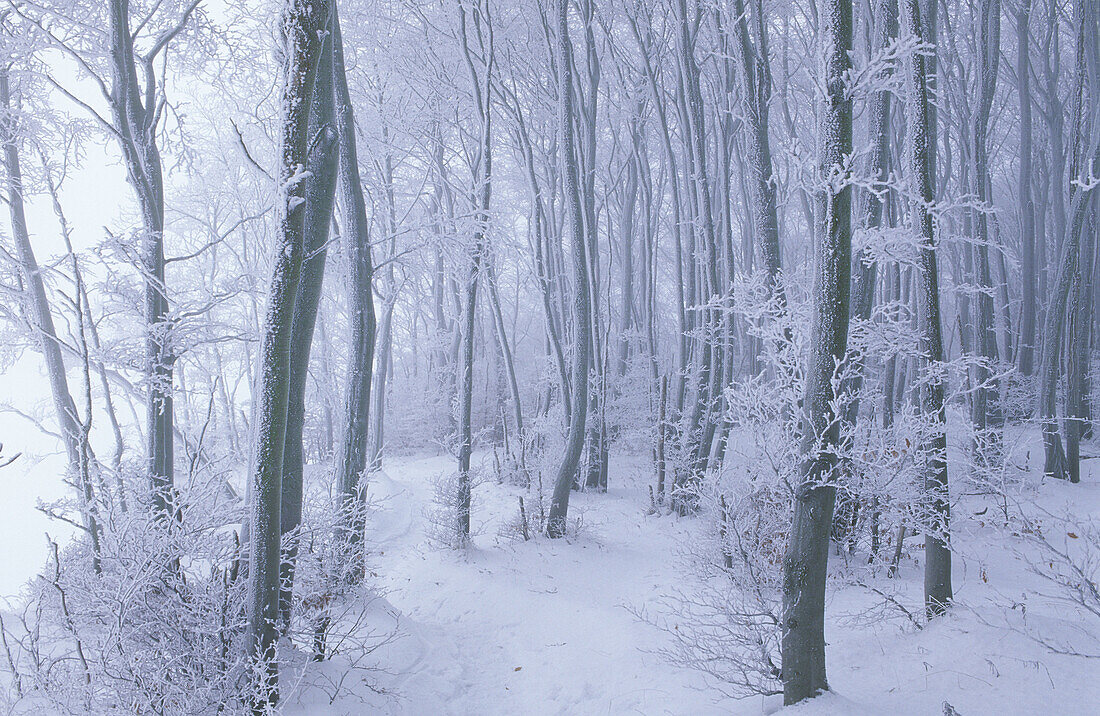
x=546, y=627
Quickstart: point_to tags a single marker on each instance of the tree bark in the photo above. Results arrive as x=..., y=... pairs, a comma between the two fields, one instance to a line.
x=321, y=163
x=933, y=448
x=1025, y=352
x=806, y=560
x=582, y=327
x=352, y=460
x=303, y=24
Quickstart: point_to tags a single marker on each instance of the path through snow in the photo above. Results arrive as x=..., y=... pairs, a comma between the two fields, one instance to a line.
x=546, y=627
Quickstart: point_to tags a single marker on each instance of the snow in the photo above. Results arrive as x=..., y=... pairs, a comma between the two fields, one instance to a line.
x=539, y=627
x=548, y=627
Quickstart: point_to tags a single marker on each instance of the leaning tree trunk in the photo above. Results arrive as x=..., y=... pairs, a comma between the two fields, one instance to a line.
x=303, y=24
x=37, y=311
x=352, y=460
x=933, y=448
x=322, y=164
x=567, y=471
x=805, y=562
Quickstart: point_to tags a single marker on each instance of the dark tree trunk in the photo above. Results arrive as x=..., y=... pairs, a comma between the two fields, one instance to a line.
x=134, y=120
x=1025, y=352
x=352, y=460
x=304, y=22
x=806, y=560
x=322, y=163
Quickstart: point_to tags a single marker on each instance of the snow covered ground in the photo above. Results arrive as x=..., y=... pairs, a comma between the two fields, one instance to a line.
x=548, y=627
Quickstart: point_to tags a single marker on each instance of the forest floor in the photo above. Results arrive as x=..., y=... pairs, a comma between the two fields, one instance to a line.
x=508, y=626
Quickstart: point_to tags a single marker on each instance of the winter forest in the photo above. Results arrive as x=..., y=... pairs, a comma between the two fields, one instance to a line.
x=549, y=357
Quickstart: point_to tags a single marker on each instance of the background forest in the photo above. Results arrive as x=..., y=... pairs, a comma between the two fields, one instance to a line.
x=586, y=356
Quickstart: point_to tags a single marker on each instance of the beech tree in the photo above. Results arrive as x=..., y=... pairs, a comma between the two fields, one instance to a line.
x=303, y=24
x=39, y=314
x=804, y=564
x=751, y=265
x=321, y=165
x=921, y=149
x=567, y=472
x=353, y=458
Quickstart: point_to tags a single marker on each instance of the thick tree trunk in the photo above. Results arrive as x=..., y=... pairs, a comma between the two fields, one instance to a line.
x=303, y=23
x=806, y=560
x=322, y=164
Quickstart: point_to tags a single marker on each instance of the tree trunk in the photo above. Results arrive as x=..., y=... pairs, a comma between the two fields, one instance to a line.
x=321, y=163
x=870, y=207
x=352, y=461
x=38, y=315
x=499, y=329
x=482, y=172
x=937, y=558
x=1077, y=363
x=756, y=90
x=1025, y=352
x=1087, y=149
x=304, y=22
x=988, y=416
x=805, y=562
x=134, y=122
x=567, y=471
